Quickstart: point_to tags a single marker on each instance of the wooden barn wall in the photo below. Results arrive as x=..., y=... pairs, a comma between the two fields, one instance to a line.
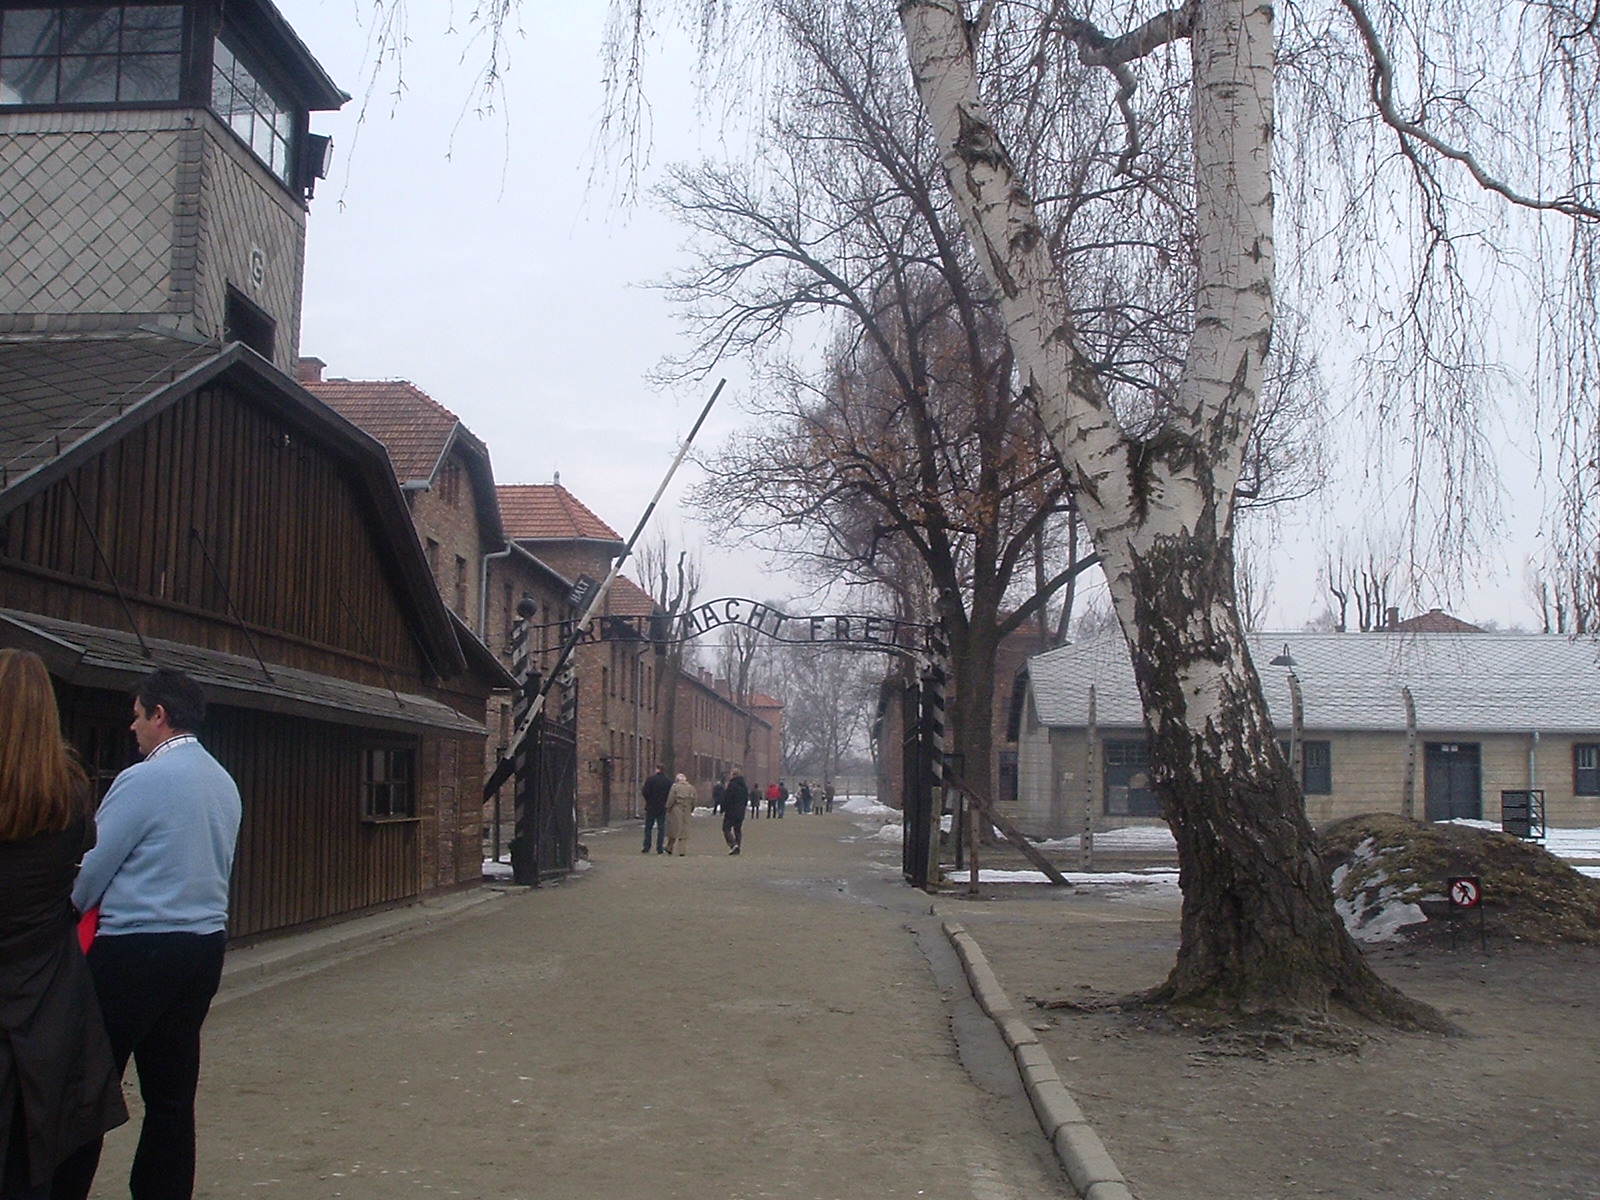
x=270, y=506
x=305, y=854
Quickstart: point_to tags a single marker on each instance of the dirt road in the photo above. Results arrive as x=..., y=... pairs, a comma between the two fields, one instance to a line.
x=787, y=1023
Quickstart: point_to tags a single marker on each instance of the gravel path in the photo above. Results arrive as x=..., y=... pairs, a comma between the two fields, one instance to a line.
x=787, y=1023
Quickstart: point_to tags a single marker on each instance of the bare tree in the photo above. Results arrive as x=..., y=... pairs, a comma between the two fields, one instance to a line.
x=673, y=580
x=905, y=462
x=1565, y=588
x=1366, y=577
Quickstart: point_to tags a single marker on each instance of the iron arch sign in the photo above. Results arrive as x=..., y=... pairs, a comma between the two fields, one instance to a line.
x=852, y=630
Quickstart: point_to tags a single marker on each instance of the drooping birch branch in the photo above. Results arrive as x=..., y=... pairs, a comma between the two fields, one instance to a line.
x=1411, y=131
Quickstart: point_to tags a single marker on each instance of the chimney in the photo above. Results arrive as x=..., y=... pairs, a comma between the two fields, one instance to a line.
x=309, y=370
x=1391, y=618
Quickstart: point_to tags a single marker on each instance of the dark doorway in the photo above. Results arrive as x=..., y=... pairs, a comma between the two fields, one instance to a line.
x=1453, y=781
x=247, y=322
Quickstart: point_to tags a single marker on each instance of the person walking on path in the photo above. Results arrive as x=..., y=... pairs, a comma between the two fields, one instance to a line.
x=58, y=1084
x=680, y=807
x=827, y=797
x=655, y=791
x=804, y=803
x=735, y=798
x=159, y=872
x=716, y=796
x=772, y=799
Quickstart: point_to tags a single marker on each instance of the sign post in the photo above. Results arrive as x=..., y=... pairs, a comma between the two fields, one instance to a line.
x=1466, y=894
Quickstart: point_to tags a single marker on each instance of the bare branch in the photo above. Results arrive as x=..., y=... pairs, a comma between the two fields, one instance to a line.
x=1411, y=131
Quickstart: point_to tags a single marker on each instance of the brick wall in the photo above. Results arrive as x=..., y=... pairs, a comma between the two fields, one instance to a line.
x=446, y=519
x=1368, y=774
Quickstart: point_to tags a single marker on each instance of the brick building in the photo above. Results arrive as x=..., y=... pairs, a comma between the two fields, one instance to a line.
x=616, y=678
x=765, y=761
x=713, y=733
x=444, y=472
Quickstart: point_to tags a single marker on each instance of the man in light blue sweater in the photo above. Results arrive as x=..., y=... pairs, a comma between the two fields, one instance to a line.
x=159, y=872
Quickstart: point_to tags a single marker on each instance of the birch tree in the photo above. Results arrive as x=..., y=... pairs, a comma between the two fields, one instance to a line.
x=1443, y=177
x=1259, y=933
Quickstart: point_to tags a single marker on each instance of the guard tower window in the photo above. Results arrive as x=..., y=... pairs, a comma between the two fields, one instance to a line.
x=262, y=121
x=124, y=54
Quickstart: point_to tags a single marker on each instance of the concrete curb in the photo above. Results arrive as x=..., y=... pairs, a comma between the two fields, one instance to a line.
x=1078, y=1147
x=258, y=966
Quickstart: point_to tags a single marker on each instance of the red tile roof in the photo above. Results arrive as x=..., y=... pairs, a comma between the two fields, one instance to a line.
x=628, y=599
x=1433, y=621
x=414, y=426
x=548, y=512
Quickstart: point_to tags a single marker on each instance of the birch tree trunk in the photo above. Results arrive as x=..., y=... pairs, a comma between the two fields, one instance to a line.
x=1260, y=937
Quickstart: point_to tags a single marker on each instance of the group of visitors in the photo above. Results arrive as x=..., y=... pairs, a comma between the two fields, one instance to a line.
x=669, y=803
x=144, y=881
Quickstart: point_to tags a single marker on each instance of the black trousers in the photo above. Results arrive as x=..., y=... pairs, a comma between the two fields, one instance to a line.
x=733, y=829
x=155, y=990
x=658, y=821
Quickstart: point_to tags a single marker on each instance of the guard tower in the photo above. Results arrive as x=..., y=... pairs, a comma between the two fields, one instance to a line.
x=157, y=162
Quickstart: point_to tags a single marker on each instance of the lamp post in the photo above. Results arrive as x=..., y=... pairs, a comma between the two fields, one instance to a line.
x=1296, y=715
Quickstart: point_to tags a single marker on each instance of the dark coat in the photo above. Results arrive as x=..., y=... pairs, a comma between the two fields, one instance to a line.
x=736, y=798
x=54, y=1057
x=655, y=792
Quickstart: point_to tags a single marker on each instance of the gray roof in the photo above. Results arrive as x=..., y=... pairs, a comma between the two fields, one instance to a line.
x=113, y=659
x=58, y=390
x=1460, y=682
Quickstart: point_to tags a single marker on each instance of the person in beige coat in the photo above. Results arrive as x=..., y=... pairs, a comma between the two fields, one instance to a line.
x=680, y=806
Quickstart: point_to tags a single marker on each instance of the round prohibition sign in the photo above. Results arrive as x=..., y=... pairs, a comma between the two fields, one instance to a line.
x=1465, y=893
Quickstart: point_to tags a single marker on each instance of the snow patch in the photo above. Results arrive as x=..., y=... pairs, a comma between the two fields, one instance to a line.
x=1371, y=907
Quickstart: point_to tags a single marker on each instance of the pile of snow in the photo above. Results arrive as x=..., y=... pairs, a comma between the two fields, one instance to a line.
x=1164, y=879
x=865, y=806
x=1134, y=837
x=1372, y=907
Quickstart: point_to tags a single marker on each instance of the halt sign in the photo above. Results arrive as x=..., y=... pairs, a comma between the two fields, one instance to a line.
x=1465, y=891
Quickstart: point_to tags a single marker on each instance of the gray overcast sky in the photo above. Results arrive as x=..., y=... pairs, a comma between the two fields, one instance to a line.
x=482, y=258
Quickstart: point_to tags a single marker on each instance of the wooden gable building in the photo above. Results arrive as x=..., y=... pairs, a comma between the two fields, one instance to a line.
x=227, y=523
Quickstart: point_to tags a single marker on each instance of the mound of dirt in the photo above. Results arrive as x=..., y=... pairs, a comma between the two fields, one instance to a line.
x=1389, y=881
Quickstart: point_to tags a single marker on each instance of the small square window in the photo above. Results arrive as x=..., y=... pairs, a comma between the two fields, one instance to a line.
x=390, y=783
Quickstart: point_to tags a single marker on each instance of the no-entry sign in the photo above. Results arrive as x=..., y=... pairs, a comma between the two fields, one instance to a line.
x=1464, y=891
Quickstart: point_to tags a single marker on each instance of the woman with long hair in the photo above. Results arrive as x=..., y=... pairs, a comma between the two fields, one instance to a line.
x=58, y=1084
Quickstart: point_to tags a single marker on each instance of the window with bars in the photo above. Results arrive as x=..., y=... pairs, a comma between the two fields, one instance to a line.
x=122, y=54
x=1316, y=766
x=1127, y=780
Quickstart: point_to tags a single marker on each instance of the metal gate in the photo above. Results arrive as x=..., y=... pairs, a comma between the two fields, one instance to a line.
x=546, y=795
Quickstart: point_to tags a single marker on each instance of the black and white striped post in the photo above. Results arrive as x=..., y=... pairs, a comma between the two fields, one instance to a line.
x=935, y=682
x=524, y=841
